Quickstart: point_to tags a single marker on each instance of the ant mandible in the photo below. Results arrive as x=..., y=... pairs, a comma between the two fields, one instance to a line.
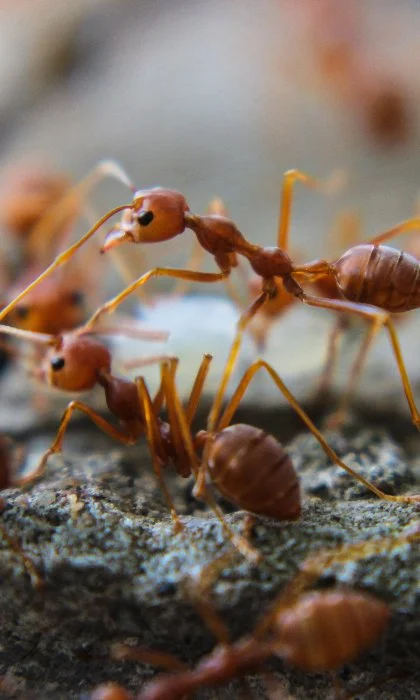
x=373, y=280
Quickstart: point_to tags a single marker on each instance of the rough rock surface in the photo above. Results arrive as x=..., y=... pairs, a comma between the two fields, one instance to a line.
x=98, y=530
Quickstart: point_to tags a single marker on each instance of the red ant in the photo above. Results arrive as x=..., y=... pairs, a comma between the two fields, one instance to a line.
x=312, y=630
x=77, y=362
x=344, y=64
x=40, y=208
x=7, y=480
x=373, y=280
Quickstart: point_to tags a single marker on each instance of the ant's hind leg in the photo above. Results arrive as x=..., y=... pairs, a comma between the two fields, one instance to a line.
x=401, y=228
x=101, y=423
x=156, y=448
x=181, y=433
x=197, y=390
x=336, y=419
x=377, y=318
x=227, y=416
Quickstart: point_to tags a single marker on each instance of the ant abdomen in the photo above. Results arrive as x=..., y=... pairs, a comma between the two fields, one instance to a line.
x=322, y=631
x=381, y=276
x=252, y=470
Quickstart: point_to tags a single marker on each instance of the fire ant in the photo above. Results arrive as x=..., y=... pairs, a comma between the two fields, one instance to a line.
x=312, y=630
x=345, y=66
x=373, y=280
x=7, y=480
x=77, y=362
x=40, y=208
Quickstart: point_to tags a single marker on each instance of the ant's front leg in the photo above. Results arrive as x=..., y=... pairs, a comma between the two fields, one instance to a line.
x=57, y=444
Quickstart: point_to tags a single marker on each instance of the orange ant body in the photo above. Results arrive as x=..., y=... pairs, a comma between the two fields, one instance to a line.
x=321, y=632
x=311, y=630
x=343, y=63
x=372, y=279
x=77, y=362
x=26, y=197
x=40, y=207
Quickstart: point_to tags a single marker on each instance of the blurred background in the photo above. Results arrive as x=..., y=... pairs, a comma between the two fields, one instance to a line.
x=220, y=98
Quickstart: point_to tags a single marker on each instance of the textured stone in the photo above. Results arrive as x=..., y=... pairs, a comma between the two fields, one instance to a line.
x=99, y=532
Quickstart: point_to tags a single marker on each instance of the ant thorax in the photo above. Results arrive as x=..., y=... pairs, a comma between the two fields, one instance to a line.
x=75, y=363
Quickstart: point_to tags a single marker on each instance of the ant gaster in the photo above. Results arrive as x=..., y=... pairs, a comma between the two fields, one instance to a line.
x=372, y=279
x=312, y=630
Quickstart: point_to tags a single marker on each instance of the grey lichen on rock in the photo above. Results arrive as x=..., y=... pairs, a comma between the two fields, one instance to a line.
x=98, y=529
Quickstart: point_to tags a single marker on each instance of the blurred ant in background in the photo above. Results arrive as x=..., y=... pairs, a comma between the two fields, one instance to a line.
x=311, y=630
x=336, y=53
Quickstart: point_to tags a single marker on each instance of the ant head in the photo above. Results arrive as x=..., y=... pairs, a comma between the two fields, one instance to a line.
x=156, y=215
x=75, y=363
x=52, y=307
x=29, y=194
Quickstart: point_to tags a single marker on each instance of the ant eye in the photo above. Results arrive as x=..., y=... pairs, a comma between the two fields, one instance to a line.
x=22, y=312
x=57, y=363
x=145, y=218
x=77, y=298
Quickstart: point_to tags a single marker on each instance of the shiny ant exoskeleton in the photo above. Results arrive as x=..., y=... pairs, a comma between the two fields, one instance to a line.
x=372, y=280
x=311, y=630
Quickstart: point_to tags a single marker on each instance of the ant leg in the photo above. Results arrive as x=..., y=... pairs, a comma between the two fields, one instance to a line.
x=126, y=271
x=56, y=446
x=112, y=304
x=69, y=204
x=337, y=418
x=289, y=180
x=198, y=591
x=155, y=446
x=378, y=318
x=325, y=381
x=227, y=373
x=154, y=657
x=197, y=389
x=27, y=563
x=403, y=227
x=181, y=434
x=33, y=336
x=61, y=259
x=226, y=418
x=180, y=288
